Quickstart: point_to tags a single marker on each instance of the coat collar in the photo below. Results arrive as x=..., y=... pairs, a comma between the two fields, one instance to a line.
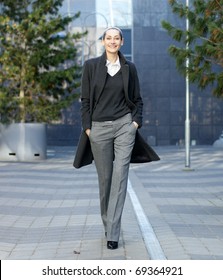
x=122, y=59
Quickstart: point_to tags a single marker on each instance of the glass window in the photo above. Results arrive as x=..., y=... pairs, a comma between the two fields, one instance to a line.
x=117, y=12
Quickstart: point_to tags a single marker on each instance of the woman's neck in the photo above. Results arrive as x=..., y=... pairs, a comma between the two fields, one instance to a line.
x=112, y=57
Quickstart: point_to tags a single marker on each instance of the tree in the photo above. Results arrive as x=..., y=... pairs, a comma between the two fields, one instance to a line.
x=205, y=42
x=39, y=72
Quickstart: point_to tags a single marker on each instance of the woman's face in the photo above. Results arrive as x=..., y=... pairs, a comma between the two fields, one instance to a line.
x=112, y=41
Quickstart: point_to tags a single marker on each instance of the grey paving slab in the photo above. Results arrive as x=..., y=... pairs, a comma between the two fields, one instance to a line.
x=49, y=210
x=188, y=204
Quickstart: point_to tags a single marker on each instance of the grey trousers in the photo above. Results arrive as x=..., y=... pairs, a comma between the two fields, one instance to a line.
x=112, y=143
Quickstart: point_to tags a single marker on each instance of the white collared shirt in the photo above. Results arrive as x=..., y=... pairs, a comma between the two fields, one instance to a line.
x=113, y=68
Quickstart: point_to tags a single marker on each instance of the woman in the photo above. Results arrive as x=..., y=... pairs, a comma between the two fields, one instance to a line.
x=111, y=114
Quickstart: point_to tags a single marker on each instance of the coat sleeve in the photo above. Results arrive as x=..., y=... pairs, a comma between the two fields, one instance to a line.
x=85, y=96
x=135, y=96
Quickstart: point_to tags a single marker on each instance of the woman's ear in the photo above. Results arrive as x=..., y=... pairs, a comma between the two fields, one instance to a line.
x=122, y=43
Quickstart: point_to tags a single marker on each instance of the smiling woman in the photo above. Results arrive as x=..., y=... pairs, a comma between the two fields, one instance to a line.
x=111, y=114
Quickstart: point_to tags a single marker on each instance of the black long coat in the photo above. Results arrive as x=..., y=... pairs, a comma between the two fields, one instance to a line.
x=93, y=80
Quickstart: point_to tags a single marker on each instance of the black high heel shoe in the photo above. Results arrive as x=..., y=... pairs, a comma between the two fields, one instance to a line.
x=112, y=245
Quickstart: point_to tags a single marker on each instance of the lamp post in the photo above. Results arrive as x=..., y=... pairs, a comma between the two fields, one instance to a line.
x=187, y=119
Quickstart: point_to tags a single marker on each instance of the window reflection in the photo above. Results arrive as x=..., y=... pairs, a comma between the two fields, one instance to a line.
x=117, y=12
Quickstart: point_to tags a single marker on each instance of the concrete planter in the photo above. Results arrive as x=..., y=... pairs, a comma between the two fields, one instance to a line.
x=23, y=142
x=219, y=143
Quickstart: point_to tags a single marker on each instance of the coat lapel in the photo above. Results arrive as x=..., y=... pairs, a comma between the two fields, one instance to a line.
x=100, y=75
x=125, y=76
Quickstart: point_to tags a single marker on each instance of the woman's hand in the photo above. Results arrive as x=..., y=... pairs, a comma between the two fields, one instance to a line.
x=88, y=131
x=135, y=124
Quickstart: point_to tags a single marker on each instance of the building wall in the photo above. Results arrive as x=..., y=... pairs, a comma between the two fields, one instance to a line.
x=163, y=89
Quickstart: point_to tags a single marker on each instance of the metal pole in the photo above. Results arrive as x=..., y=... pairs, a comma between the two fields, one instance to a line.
x=187, y=120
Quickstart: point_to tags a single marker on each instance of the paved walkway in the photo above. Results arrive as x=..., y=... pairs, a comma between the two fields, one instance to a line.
x=49, y=210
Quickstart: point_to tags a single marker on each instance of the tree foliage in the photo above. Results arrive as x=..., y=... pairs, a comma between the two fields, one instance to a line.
x=204, y=40
x=39, y=72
